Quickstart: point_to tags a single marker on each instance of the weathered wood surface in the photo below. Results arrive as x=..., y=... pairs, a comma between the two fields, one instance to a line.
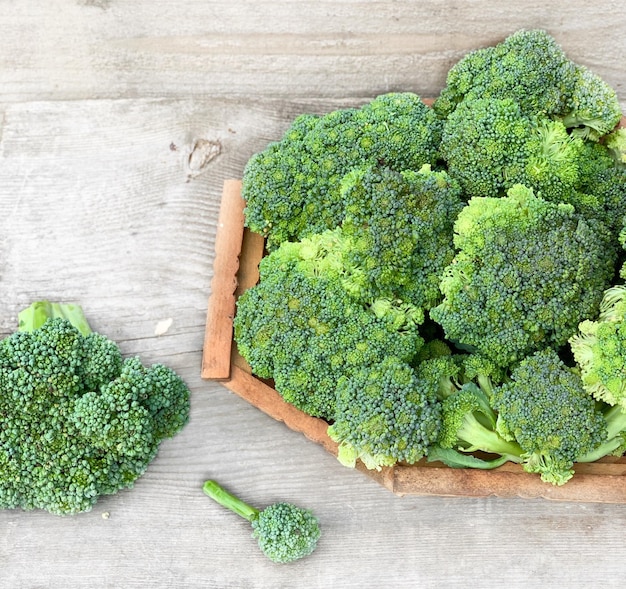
x=111, y=114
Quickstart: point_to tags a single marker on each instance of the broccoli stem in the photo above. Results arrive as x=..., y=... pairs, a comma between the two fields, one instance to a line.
x=216, y=492
x=34, y=316
x=616, y=426
x=479, y=437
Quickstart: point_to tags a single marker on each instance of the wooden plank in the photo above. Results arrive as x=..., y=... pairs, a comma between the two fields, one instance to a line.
x=221, y=304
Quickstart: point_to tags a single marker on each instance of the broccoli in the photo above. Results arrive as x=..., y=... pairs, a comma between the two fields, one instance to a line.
x=528, y=67
x=526, y=272
x=489, y=145
x=545, y=409
x=300, y=326
x=599, y=348
x=284, y=532
x=385, y=414
x=291, y=188
x=77, y=420
x=593, y=108
x=400, y=231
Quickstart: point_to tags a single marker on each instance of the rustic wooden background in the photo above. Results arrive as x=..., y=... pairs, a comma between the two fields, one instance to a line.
x=119, y=121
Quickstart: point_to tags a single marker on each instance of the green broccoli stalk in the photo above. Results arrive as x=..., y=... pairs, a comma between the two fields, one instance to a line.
x=77, y=421
x=284, y=532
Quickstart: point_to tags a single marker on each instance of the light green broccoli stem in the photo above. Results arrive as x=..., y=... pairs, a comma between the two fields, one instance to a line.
x=216, y=492
x=616, y=428
x=482, y=438
x=34, y=316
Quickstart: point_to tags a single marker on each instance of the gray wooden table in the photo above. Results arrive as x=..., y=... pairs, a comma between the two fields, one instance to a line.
x=111, y=115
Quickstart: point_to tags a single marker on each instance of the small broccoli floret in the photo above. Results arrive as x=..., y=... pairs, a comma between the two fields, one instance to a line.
x=599, y=348
x=384, y=415
x=593, y=108
x=545, y=409
x=302, y=328
x=77, y=422
x=292, y=188
x=616, y=144
x=284, y=532
x=528, y=67
x=469, y=425
x=526, y=272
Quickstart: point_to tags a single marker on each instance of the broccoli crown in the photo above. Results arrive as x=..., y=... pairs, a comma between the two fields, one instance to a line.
x=489, y=145
x=384, y=415
x=546, y=410
x=593, y=108
x=303, y=330
x=286, y=532
x=526, y=272
x=77, y=422
x=400, y=226
x=292, y=187
x=528, y=67
x=599, y=349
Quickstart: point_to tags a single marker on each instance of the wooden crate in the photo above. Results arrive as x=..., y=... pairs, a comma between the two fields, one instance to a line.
x=237, y=254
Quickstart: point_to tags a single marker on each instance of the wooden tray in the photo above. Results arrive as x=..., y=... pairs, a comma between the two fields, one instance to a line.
x=237, y=254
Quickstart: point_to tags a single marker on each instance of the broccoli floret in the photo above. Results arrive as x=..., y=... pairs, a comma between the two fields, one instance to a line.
x=301, y=327
x=527, y=271
x=385, y=414
x=599, y=348
x=545, y=409
x=528, y=67
x=77, y=421
x=469, y=425
x=284, y=531
x=489, y=145
x=400, y=227
x=593, y=108
x=292, y=187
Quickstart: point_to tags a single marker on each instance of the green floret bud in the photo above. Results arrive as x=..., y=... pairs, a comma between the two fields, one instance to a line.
x=284, y=531
x=385, y=415
x=546, y=410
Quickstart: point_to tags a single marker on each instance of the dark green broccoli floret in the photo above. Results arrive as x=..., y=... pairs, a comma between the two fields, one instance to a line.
x=599, y=348
x=528, y=67
x=491, y=145
x=292, y=187
x=545, y=409
x=400, y=226
x=385, y=414
x=284, y=531
x=526, y=273
x=76, y=421
x=302, y=328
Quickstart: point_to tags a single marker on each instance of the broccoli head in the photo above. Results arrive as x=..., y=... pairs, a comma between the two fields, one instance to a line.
x=400, y=229
x=545, y=409
x=300, y=326
x=385, y=414
x=291, y=188
x=77, y=421
x=284, y=531
x=528, y=67
x=526, y=272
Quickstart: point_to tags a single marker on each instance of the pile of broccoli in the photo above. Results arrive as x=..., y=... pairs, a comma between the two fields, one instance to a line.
x=445, y=282
x=77, y=420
